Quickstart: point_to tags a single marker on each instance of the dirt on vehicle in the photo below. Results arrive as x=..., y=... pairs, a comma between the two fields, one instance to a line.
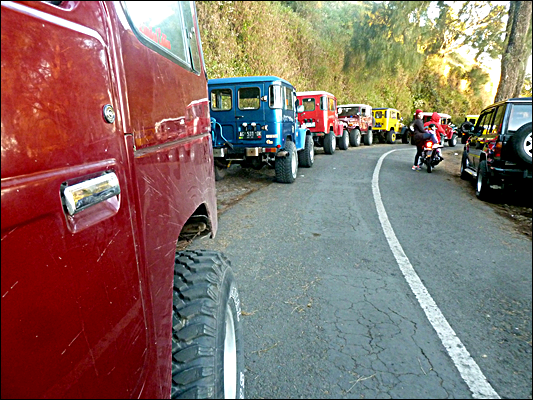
x=516, y=206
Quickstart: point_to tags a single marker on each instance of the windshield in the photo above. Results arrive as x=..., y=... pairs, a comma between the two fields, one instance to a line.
x=348, y=111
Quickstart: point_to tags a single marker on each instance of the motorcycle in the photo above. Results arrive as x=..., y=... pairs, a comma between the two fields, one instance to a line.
x=430, y=156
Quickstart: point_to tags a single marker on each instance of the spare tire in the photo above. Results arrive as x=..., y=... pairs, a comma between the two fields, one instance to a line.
x=466, y=127
x=522, y=143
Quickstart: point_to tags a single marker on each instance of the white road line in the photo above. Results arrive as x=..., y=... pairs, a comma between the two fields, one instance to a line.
x=469, y=370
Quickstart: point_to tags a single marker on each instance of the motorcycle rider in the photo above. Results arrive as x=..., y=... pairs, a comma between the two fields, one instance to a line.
x=435, y=119
x=432, y=129
x=420, y=135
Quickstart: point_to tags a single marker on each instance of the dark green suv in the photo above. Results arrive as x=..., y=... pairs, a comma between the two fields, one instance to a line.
x=498, y=152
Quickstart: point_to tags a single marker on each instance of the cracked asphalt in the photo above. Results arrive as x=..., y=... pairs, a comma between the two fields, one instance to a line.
x=327, y=312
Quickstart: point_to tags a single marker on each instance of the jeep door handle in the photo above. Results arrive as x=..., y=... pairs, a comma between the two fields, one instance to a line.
x=90, y=192
x=239, y=116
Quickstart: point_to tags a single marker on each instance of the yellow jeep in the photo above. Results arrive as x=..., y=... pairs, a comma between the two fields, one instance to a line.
x=388, y=124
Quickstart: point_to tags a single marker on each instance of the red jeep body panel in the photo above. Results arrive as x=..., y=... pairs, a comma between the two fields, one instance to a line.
x=87, y=298
x=322, y=118
x=444, y=119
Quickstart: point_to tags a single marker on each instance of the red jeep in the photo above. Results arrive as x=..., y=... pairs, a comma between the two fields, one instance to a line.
x=107, y=169
x=357, y=119
x=445, y=121
x=320, y=118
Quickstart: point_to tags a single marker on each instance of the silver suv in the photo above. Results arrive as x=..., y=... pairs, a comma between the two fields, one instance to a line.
x=498, y=151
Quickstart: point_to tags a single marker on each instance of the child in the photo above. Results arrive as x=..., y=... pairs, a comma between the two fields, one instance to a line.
x=432, y=131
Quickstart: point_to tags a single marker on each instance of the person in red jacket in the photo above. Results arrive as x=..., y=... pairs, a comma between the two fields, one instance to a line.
x=435, y=119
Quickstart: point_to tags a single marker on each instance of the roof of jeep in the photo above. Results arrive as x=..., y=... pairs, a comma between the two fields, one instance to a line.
x=384, y=108
x=245, y=79
x=314, y=93
x=353, y=105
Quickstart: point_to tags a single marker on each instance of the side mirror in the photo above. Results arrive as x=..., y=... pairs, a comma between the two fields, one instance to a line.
x=401, y=118
x=300, y=109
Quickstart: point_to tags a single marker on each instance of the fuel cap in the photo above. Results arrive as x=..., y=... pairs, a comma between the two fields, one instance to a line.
x=109, y=113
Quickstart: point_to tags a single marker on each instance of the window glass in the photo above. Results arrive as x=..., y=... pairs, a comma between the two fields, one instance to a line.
x=249, y=98
x=221, y=99
x=323, y=103
x=520, y=115
x=189, y=16
x=393, y=114
x=309, y=104
x=289, y=102
x=363, y=111
x=331, y=104
x=378, y=114
x=498, y=119
x=348, y=111
x=161, y=24
x=274, y=98
x=485, y=122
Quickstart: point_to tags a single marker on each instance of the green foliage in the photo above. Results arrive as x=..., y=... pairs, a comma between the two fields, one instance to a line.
x=387, y=54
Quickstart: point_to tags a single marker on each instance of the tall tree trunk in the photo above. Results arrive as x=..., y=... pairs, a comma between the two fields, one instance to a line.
x=516, y=50
x=522, y=68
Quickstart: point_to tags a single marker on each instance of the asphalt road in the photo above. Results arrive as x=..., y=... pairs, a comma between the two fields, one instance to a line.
x=337, y=273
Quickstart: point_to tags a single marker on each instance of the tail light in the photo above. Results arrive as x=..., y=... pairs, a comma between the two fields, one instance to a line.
x=429, y=145
x=497, y=150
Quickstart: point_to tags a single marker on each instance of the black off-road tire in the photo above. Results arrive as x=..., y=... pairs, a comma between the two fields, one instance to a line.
x=220, y=173
x=483, y=190
x=391, y=137
x=330, y=142
x=355, y=138
x=344, y=140
x=368, y=139
x=207, y=338
x=522, y=144
x=464, y=162
x=405, y=135
x=306, y=157
x=287, y=167
x=453, y=141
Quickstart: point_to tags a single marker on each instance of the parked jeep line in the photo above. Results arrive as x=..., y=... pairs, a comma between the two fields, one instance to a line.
x=321, y=120
x=357, y=119
x=107, y=168
x=498, y=153
x=255, y=124
x=388, y=124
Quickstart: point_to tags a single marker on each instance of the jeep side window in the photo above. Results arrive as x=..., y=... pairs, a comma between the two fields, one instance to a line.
x=378, y=115
x=249, y=98
x=188, y=15
x=323, y=103
x=275, y=100
x=161, y=26
x=309, y=104
x=221, y=100
x=331, y=104
x=520, y=115
x=363, y=111
x=498, y=120
x=289, y=102
x=484, y=123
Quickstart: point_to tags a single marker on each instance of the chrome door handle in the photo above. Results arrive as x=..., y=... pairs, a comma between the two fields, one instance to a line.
x=90, y=192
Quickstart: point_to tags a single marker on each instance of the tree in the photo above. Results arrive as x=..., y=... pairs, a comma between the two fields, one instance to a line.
x=516, y=51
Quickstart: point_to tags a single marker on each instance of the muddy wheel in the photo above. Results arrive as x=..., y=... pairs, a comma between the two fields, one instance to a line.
x=306, y=157
x=522, y=143
x=330, y=142
x=483, y=190
x=391, y=137
x=464, y=163
x=453, y=141
x=405, y=135
x=368, y=138
x=343, y=143
x=287, y=167
x=207, y=338
x=355, y=138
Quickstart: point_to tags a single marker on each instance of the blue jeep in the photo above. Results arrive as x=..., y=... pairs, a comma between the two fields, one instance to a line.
x=254, y=123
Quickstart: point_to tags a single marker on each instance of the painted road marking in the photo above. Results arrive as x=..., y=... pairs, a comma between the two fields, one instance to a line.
x=468, y=368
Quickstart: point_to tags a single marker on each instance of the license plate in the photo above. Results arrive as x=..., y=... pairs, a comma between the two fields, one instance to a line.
x=310, y=124
x=252, y=135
